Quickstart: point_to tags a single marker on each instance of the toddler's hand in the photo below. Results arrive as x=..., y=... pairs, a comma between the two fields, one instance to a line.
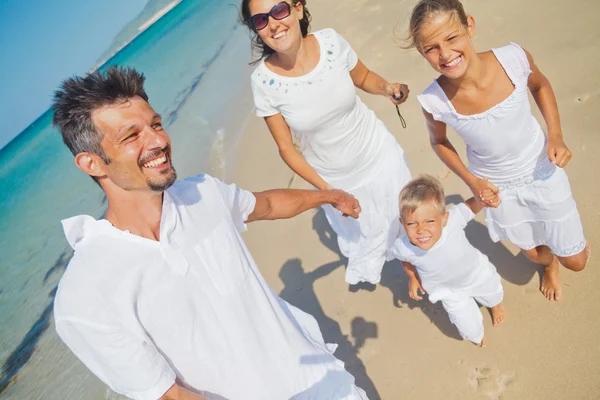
x=558, y=152
x=414, y=286
x=486, y=193
x=397, y=92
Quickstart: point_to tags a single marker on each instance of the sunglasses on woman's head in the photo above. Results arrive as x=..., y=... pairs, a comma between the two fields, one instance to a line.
x=279, y=11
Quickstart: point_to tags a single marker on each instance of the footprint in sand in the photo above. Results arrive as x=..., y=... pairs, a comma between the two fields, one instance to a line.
x=490, y=382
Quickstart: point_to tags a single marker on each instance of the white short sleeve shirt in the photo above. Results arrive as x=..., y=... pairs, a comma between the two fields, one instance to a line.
x=339, y=136
x=452, y=263
x=192, y=307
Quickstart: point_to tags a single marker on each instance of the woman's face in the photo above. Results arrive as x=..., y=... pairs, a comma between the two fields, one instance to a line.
x=283, y=36
x=446, y=44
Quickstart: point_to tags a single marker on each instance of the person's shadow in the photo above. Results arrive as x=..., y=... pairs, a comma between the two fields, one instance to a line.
x=514, y=269
x=299, y=291
x=517, y=270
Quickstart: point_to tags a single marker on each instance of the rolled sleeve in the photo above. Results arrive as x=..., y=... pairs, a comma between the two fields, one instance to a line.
x=240, y=203
x=125, y=362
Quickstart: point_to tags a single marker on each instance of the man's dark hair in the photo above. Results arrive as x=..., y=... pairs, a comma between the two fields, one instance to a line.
x=78, y=97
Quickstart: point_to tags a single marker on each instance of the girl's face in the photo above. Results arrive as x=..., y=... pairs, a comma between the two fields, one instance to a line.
x=281, y=35
x=446, y=44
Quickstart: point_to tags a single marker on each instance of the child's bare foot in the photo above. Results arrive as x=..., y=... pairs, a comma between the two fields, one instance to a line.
x=482, y=344
x=498, y=314
x=550, y=283
x=588, y=253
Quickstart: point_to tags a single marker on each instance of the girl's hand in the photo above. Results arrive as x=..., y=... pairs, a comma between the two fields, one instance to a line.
x=397, y=92
x=486, y=193
x=414, y=286
x=558, y=152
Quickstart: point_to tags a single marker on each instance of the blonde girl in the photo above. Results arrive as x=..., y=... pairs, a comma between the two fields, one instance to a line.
x=515, y=168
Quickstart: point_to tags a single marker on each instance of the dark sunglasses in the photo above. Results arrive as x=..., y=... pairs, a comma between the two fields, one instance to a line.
x=279, y=11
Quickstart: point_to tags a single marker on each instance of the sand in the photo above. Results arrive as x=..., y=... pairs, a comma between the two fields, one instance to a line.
x=401, y=349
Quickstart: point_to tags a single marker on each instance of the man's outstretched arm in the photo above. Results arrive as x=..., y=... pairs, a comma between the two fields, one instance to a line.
x=287, y=203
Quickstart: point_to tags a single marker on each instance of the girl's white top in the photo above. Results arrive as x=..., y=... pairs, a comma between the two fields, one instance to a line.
x=504, y=143
x=452, y=264
x=339, y=136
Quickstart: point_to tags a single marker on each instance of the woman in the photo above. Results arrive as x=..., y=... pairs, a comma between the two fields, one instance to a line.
x=305, y=83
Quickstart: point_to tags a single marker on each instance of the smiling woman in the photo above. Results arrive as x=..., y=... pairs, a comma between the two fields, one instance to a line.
x=279, y=11
x=306, y=84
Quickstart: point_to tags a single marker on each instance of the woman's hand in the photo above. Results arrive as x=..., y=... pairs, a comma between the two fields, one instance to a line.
x=485, y=192
x=397, y=92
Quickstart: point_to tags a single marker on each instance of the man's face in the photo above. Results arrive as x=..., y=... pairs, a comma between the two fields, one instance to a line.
x=137, y=146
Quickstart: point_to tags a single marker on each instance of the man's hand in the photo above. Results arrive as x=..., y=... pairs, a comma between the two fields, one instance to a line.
x=346, y=203
x=287, y=203
x=414, y=286
x=558, y=152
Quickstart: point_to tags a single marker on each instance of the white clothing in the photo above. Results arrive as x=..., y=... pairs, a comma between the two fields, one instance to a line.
x=454, y=272
x=345, y=143
x=464, y=312
x=507, y=145
x=192, y=307
x=365, y=240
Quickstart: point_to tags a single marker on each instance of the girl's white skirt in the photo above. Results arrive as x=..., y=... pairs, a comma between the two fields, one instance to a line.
x=366, y=240
x=538, y=211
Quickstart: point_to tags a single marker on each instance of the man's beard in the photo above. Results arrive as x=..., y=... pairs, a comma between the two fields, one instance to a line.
x=170, y=175
x=163, y=184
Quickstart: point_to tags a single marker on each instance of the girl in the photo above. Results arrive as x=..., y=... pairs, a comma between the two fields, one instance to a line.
x=514, y=168
x=306, y=84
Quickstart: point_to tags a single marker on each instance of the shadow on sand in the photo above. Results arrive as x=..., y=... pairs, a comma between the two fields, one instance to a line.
x=299, y=291
x=517, y=269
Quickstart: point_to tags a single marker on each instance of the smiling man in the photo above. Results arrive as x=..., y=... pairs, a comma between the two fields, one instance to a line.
x=162, y=299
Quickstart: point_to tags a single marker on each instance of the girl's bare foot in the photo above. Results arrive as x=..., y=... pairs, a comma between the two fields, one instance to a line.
x=482, y=344
x=498, y=314
x=550, y=283
x=588, y=253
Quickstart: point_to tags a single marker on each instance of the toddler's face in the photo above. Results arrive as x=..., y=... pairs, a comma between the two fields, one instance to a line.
x=424, y=225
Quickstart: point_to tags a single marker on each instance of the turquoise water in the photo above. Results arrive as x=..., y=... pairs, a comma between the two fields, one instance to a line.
x=195, y=60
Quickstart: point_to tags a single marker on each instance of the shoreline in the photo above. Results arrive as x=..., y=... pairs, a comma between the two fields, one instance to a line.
x=141, y=29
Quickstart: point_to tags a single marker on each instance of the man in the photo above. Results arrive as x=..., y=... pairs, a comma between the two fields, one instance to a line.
x=162, y=299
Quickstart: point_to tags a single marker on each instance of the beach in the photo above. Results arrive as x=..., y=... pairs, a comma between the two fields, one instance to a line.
x=398, y=348
x=395, y=347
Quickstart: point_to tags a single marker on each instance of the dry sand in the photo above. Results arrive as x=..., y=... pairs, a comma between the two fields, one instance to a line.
x=401, y=349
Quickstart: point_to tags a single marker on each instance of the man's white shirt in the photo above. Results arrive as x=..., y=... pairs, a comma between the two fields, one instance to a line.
x=192, y=307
